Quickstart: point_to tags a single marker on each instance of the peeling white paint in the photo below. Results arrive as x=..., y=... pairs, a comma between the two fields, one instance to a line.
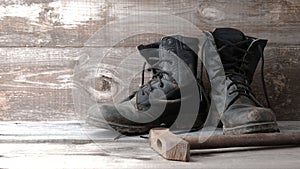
x=65, y=12
x=76, y=12
x=31, y=12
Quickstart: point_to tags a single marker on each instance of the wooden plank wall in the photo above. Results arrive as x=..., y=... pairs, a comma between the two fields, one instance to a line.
x=41, y=41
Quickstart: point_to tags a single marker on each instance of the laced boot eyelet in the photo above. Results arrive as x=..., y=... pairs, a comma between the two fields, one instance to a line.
x=161, y=85
x=172, y=50
x=170, y=41
x=139, y=108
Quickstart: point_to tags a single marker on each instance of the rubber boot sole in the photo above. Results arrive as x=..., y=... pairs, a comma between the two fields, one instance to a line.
x=267, y=127
x=123, y=129
x=133, y=129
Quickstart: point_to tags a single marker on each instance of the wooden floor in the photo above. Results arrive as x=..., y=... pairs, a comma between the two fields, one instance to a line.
x=73, y=144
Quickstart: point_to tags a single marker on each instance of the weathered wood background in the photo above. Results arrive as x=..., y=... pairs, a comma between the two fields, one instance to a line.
x=41, y=40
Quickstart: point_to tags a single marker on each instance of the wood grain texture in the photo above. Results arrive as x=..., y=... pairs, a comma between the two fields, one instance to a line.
x=168, y=145
x=37, y=83
x=42, y=41
x=71, y=23
x=24, y=145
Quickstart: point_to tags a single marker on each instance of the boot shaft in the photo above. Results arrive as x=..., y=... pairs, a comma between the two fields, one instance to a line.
x=240, y=54
x=173, y=61
x=173, y=54
x=150, y=53
x=185, y=48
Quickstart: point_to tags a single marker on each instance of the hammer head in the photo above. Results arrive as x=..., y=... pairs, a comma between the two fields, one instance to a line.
x=169, y=145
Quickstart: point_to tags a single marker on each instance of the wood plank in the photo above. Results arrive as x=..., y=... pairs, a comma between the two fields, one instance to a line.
x=50, y=23
x=38, y=83
x=281, y=67
x=55, y=24
x=276, y=158
x=77, y=132
x=133, y=152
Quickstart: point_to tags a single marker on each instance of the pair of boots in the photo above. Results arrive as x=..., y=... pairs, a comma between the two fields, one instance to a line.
x=174, y=98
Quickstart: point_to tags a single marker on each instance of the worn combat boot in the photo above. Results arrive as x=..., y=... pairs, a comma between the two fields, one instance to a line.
x=240, y=55
x=172, y=89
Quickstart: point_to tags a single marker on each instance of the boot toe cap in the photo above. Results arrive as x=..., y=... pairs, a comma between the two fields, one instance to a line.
x=100, y=115
x=239, y=114
x=107, y=116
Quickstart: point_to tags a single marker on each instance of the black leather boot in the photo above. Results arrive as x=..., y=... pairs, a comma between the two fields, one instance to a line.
x=240, y=55
x=172, y=89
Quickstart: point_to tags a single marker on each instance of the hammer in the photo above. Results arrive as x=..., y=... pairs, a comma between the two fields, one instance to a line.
x=177, y=148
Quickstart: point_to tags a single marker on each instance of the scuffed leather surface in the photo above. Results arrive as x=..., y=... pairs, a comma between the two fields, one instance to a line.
x=241, y=110
x=164, y=104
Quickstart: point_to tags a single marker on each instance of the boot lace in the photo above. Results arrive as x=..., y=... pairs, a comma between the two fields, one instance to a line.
x=156, y=77
x=240, y=66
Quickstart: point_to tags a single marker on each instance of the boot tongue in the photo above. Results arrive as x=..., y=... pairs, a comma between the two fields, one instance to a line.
x=170, y=54
x=228, y=34
x=179, y=57
x=229, y=55
x=150, y=52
